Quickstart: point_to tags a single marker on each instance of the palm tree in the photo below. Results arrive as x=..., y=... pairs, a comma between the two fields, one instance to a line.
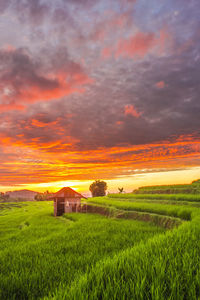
x=121, y=190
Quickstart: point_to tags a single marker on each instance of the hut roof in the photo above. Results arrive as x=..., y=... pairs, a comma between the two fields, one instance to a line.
x=67, y=192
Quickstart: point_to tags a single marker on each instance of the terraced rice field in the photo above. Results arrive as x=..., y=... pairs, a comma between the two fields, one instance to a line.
x=91, y=256
x=193, y=188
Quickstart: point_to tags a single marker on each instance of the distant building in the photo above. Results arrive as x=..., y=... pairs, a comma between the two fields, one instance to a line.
x=66, y=200
x=22, y=194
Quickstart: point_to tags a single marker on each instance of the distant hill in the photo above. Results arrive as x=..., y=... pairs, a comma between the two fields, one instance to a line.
x=22, y=194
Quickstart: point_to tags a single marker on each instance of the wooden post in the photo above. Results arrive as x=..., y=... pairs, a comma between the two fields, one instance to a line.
x=55, y=207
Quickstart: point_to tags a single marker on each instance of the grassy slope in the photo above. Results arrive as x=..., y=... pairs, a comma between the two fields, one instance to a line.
x=40, y=254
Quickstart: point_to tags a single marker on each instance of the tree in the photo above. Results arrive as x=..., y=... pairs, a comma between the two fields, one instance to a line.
x=121, y=190
x=38, y=197
x=42, y=196
x=98, y=188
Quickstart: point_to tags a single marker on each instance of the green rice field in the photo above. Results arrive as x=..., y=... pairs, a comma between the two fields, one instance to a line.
x=93, y=256
x=193, y=188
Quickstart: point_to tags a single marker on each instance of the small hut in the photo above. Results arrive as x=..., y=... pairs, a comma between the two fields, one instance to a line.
x=66, y=200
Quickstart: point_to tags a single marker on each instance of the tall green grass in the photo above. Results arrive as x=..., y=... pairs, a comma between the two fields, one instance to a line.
x=87, y=256
x=176, y=197
x=166, y=267
x=193, y=188
x=182, y=212
x=163, y=268
x=40, y=253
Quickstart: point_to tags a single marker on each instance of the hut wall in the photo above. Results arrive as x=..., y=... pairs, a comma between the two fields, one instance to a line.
x=72, y=204
x=55, y=208
x=68, y=208
x=60, y=206
x=66, y=205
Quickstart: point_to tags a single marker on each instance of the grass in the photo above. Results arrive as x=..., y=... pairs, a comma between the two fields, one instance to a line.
x=176, y=197
x=88, y=256
x=182, y=212
x=164, y=267
x=193, y=188
x=40, y=253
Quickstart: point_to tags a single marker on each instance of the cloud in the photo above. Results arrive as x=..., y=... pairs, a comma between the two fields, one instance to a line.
x=143, y=43
x=160, y=84
x=138, y=45
x=101, y=88
x=33, y=11
x=27, y=79
x=100, y=163
x=4, y=4
x=130, y=110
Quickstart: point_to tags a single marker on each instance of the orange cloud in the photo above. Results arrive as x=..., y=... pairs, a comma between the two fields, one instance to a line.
x=38, y=164
x=11, y=106
x=119, y=123
x=160, y=84
x=40, y=124
x=130, y=110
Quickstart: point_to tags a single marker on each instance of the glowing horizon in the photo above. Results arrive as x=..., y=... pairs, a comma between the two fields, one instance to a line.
x=129, y=183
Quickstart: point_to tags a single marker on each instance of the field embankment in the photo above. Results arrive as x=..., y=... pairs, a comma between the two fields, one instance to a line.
x=107, y=209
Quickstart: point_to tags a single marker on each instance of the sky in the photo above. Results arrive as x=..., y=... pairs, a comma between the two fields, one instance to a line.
x=99, y=89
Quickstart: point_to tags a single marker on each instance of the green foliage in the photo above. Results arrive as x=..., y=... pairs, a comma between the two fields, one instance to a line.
x=87, y=256
x=39, y=253
x=183, y=212
x=196, y=181
x=98, y=188
x=155, y=197
x=193, y=188
x=165, y=267
x=42, y=196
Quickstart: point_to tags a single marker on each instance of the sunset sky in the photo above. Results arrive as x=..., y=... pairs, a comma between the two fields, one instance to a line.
x=99, y=89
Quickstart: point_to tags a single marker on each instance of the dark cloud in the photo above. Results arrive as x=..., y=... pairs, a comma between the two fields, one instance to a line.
x=4, y=4
x=26, y=78
x=31, y=10
x=35, y=12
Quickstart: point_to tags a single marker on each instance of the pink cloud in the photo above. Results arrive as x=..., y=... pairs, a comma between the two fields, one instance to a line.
x=160, y=84
x=106, y=52
x=143, y=43
x=131, y=111
x=138, y=44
